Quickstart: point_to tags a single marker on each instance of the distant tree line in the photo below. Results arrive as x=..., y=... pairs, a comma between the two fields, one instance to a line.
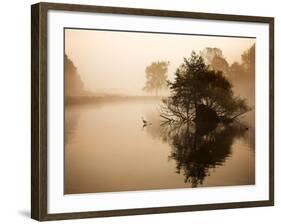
x=241, y=75
x=156, y=76
x=73, y=85
x=203, y=86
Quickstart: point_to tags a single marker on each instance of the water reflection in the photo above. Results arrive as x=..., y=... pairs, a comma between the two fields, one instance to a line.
x=196, y=147
x=108, y=151
x=70, y=124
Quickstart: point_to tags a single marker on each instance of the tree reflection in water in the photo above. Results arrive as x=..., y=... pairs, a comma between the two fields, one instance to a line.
x=198, y=148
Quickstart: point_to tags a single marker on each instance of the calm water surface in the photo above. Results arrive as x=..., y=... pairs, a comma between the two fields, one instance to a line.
x=108, y=149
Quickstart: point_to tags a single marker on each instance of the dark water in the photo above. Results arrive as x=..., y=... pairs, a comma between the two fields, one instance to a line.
x=108, y=149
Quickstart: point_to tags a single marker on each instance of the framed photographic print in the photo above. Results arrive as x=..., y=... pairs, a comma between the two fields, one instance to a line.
x=140, y=111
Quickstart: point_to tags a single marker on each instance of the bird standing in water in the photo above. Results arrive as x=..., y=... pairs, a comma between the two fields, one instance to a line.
x=145, y=123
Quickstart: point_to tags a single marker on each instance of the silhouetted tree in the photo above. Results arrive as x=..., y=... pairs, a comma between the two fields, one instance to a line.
x=156, y=76
x=199, y=94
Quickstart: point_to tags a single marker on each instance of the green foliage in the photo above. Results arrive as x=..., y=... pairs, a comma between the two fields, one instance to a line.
x=156, y=76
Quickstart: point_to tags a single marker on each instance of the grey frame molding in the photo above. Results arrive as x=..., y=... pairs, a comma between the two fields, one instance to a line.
x=39, y=110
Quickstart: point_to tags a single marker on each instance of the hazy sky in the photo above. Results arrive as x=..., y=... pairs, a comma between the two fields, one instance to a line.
x=110, y=61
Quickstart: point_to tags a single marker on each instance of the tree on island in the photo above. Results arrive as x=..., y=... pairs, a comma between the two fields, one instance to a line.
x=156, y=76
x=201, y=95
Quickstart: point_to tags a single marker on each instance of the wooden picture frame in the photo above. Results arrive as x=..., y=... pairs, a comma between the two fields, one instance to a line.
x=39, y=110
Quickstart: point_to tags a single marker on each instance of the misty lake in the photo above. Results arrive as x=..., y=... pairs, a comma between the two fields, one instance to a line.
x=107, y=149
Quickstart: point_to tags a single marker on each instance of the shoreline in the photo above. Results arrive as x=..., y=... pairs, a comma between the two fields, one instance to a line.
x=81, y=100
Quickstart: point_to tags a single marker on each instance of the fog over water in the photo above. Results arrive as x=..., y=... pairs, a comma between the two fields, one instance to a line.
x=115, y=61
x=115, y=137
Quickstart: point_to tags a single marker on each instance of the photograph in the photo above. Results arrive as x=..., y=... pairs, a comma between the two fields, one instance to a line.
x=152, y=111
